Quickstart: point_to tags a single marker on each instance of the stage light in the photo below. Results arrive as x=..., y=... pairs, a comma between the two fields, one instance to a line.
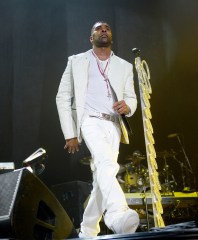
x=35, y=162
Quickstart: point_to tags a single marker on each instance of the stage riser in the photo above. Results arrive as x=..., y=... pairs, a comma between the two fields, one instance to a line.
x=178, y=207
x=179, y=199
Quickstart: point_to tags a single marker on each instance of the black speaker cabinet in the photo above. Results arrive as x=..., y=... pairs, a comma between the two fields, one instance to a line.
x=72, y=196
x=29, y=210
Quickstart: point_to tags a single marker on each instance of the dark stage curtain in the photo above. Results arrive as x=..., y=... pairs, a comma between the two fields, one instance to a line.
x=36, y=38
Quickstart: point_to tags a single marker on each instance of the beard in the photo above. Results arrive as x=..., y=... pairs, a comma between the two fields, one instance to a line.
x=103, y=42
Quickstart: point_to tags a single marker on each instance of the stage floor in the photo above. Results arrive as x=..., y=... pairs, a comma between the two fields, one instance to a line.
x=185, y=230
x=173, y=234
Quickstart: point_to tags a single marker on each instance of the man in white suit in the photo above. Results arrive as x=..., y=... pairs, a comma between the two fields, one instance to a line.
x=96, y=89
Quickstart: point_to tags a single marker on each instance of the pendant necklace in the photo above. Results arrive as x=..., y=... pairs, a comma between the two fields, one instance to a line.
x=103, y=73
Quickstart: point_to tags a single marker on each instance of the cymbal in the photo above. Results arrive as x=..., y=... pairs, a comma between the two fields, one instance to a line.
x=85, y=160
x=129, y=158
x=166, y=154
x=133, y=157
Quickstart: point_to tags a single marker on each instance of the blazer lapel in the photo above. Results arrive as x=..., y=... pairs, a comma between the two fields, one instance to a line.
x=80, y=74
x=114, y=77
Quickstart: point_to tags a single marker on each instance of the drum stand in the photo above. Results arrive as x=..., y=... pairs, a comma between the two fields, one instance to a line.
x=182, y=172
x=188, y=169
x=167, y=173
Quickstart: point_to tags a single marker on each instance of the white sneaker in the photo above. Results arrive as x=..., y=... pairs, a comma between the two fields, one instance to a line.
x=128, y=223
x=86, y=235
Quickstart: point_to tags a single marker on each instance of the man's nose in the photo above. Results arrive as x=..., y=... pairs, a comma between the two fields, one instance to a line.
x=104, y=29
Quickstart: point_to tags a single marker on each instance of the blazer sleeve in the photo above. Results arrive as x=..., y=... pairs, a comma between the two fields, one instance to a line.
x=64, y=99
x=129, y=94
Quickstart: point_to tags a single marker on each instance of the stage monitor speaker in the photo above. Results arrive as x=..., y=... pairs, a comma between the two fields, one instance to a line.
x=72, y=196
x=29, y=210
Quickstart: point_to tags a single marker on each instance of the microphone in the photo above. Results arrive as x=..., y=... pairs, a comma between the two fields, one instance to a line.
x=136, y=51
x=172, y=135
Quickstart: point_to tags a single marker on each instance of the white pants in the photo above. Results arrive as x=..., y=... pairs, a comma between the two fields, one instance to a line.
x=102, y=138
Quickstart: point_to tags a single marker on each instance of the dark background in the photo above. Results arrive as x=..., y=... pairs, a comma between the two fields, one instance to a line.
x=36, y=38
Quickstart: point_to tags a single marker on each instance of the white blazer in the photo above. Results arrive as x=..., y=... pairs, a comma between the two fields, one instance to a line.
x=72, y=90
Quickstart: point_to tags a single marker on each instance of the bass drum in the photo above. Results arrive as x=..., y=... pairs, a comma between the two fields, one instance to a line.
x=136, y=182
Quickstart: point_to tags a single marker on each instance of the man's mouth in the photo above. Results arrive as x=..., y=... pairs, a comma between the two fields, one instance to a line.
x=104, y=36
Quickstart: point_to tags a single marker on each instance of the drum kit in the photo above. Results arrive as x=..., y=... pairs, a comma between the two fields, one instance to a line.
x=133, y=176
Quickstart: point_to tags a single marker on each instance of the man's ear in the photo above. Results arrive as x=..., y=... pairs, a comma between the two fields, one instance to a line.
x=91, y=39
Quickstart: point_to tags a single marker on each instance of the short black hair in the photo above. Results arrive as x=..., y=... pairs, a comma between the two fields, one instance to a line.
x=93, y=27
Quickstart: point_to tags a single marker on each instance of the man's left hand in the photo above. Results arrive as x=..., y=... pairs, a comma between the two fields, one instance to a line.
x=121, y=107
